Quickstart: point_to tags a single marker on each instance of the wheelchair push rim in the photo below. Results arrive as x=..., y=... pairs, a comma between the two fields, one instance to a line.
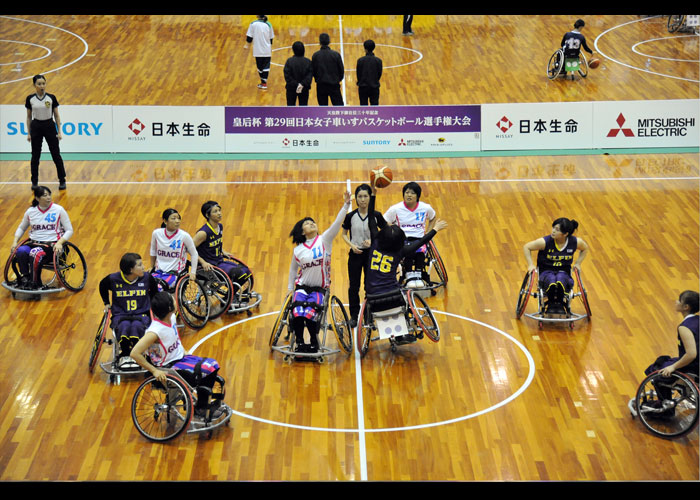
x=192, y=303
x=668, y=417
x=162, y=412
x=364, y=330
x=99, y=340
x=524, y=294
x=552, y=73
x=424, y=316
x=340, y=323
x=219, y=290
x=70, y=267
x=281, y=321
x=583, y=295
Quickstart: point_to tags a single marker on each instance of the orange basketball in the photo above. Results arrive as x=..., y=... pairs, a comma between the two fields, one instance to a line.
x=381, y=176
x=594, y=63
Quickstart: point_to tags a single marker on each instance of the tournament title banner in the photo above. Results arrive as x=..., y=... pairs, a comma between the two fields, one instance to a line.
x=353, y=129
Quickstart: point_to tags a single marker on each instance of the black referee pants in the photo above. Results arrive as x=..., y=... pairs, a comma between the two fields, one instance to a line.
x=357, y=264
x=40, y=130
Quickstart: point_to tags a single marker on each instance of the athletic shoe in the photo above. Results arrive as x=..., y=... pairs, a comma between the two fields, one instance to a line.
x=62, y=186
x=262, y=86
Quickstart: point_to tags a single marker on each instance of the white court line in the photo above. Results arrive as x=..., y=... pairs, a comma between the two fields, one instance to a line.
x=15, y=63
x=595, y=44
x=57, y=28
x=651, y=56
x=342, y=57
x=426, y=181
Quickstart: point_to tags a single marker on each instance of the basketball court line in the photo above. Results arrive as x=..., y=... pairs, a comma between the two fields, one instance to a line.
x=85, y=45
x=597, y=49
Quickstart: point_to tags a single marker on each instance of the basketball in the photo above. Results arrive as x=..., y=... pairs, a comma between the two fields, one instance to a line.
x=594, y=63
x=381, y=176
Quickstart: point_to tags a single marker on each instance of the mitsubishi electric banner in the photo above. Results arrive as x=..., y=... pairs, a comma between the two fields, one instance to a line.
x=646, y=124
x=348, y=129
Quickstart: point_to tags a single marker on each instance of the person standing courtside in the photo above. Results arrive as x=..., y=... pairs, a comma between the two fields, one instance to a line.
x=369, y=71
x=329, y=71
x=42, y=109
x=298, y=74
x=407, y=22
x=261, y=34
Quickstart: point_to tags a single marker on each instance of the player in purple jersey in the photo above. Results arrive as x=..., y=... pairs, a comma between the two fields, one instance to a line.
x=688, y=305
x=209, y=242
x=132, y=288
x=555, y=259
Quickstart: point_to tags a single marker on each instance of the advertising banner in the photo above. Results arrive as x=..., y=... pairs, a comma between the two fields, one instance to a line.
x=359, y=129
x=168, y=129
x=84, y=129
x=526, y=126
x=647, y=124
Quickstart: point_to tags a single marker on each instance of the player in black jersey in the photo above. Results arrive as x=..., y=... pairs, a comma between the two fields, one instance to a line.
x=132, y=288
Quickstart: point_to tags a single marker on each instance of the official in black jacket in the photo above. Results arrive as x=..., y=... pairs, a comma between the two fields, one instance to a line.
x=369, y=71
x=298, y=74
x=329, y=71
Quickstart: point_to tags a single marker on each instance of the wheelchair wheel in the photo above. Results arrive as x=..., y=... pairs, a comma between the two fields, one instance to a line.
x=162, y=412
x=70, y=266
x=675, y=414
x=435, y=258
x=282, y=320
x=423, y=315
x=583, y=295
x=674, y=23
x=11, y=273
x=219, y=289
x=555, y=64
x=364, y=329
x=341, y=325
x=525, y=292
x=583, y=65
x=192, y=303
x=99, y=339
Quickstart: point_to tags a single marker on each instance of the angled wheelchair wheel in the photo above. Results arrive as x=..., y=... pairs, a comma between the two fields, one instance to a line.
x=668, y=406
x=161, y=412
x=437, y=262
x=524, y=294
x=674, y=23
x=70, y=266
x=11, y=273
x=341, y=325
x=192, y=303
x=364, y=329
x=423, y=316
x=219, y=289
x=582, y=65
x=99, y=339
x=582, y=291
x=555, y=64
x=282, y=320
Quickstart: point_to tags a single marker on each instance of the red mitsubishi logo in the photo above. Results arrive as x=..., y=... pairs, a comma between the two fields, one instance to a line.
x=136, y=126
x=620, y=122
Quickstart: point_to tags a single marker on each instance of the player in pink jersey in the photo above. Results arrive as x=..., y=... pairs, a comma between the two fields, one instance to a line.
x=49, y=227
x=169, y=246
x=310, y=273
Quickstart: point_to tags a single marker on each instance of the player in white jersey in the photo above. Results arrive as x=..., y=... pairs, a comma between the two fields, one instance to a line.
x=310, y=273
x=169, y=246
x=415, y=218
x=162, y=344
x=261, y=34
x=49, y=227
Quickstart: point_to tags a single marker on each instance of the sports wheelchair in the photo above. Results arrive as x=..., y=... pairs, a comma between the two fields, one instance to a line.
x=117, y=365
x=162, y=412
x=433, y=274
x=191, y=299
x=68, y=271
x=555, y=312
x=339, y=323
x=667, y=406
x=558, y=63
x=400, y=316
x=226, y=295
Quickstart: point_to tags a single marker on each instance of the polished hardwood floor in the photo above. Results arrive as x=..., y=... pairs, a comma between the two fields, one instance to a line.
x=496, y=399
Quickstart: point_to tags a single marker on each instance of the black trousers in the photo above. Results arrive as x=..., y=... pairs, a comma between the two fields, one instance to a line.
x=292, y=97
x=407, y=21
x=324, y=91
x=368, y=95
x=357, y=265
x=40, y=130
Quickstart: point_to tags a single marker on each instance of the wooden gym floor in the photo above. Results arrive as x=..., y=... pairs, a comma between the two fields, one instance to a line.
x=497, y=398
